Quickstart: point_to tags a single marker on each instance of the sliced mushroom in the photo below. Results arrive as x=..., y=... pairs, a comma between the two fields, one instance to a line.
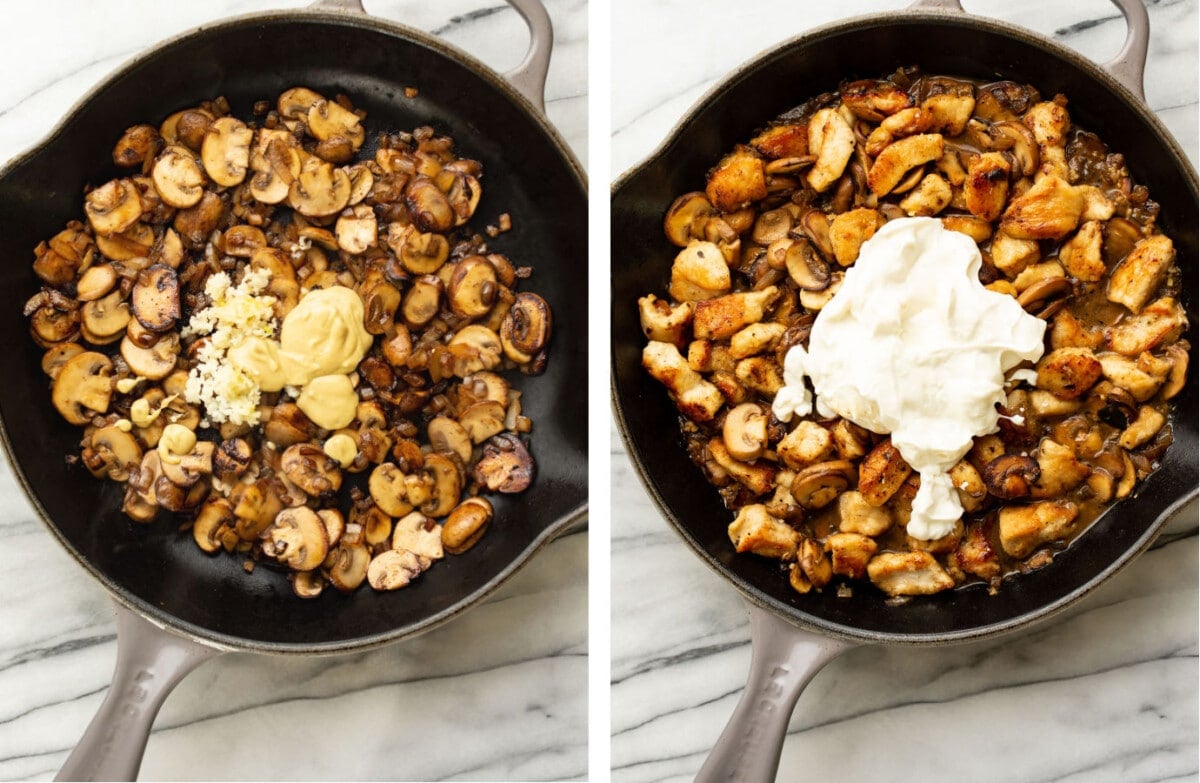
x=357, y=231
x=155, y=298
x=686, y=216
x=466, y=525
x=818, y=485
x=447, y=486
x=745, y=432
x=196, y=224
x=113, y=207
x=320, y=191
x=449, y=436
x=472, y=288
x=428, y=206
x=153, y=363
x=329, y=119
x=393, y=569
x=1011, y=476
x=255, y=506
x=307, y=584
x=83, y=387
x=104, y=319
x=215, y=516
x=420, y=253
x=422, y=301
x=58, y=355
x=112, y=453
x=387, y=489
x=231, y=459
x=349, y=566
x=475, y=348
x=295, y=103
x=297, y=538
x=178, y=178
x=287, y=425
x=311, y=469
x=506, y=466
x=526, y=329
x=806, y=268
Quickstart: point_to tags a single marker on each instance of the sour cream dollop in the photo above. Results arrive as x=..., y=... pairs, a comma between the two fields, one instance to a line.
x=914, y=345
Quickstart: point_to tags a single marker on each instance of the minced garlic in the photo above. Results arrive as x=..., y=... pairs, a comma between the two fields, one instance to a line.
x=236, y=314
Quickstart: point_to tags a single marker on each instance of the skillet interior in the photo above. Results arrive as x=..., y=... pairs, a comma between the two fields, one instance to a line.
x=160, y=571
x=775, y=82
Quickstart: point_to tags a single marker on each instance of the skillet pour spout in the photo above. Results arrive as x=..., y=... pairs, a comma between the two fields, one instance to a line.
x=1106, y=100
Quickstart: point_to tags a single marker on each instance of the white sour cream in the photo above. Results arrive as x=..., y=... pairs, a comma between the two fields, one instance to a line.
x=914, y=345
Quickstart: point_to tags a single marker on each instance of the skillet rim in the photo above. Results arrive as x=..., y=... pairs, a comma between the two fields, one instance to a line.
x=797, y=616
x=161, y=617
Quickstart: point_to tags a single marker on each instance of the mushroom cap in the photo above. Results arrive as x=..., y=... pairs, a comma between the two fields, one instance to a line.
x=83, y=387
x=297, y=538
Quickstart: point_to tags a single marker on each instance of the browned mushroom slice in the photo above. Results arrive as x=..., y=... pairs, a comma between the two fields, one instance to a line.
x=153, y=363
x=428, y=206
x=818, y=485
x=186, y=127
x=167, y=249
x=113, y=207
x=58, y=355
x=806, y=268
x=196, y=224
x=462, y=192
x=320, y=191
x=231, y=459
x=226, y=151
x=105, y=319
x=393, y=569
x=482, y=420
x=361, y=182
x=297, y=538
x=466, y=525
x=358, y=230
x=475, y=348
x=526, y=329
x=136, y=145
x=506, y=466
x=419, y=253
x=94, y=283
x=132, y=245
x=177, y=177
x=215, y=515
x=447, y=486
x=686, y=216
x=745, y=432
x=112, y=453
x=307, y=584
x=243, y=241
x=295, y=103
x=1011, y=476
x=278, y=169
x=349, y=567
x=448, y=436
x=311, y=469
x=191, y=466
x=473, y=286
x=83, y=387
x=329, y=119
x=255, y=506
x=388, y=490
x=155, y=298
x=422, y=301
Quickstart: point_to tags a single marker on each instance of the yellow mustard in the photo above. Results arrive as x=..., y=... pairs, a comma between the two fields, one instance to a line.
x=330, y=401
x=323, y=335
x=142, y=415
x=176, y=441
x=342, y=448
x=260, y=359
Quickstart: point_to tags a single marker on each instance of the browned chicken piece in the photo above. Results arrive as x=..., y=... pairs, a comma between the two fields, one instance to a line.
x=1061, y=472
x=695, y=397
x=1025, y=528
x=949, y=112
x=1067, y=332
x=782, y=141
x=1140, y=273
x=850, y=553
x=979, y=230
x=856, y=515
x=755, y=339
x=881, y=473
x=738, y=180
x=1068, y=372
x=1050, y=209
x=760, y=374
x=807, y=443
x=1161, y=322
x=975, y=554
x=972, y=492
x=849, y=230
x=908, y=573
x=1082, y=254
x=1050, y=122
x=758, y=477
x=872, y=100
x=899, y=157
x=707, y=356
x=986, y=187
x=831, y=139
x=1011, y=255
x=931, y=195
x=1141, y=377
x=754, y=530
x=663, y=322
x=699, y=272
x=725, y=316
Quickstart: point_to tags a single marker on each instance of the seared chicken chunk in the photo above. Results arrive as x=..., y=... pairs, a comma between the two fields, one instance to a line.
x=1025, y=528
x=908, y=573
x=698, y=399
x=754, y=530
x=1140, y=273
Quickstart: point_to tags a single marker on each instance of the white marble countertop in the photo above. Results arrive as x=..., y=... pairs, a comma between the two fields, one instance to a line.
x=472, y=700
x=1106, y=693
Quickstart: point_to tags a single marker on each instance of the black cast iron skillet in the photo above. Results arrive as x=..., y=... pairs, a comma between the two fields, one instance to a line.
x=177, y=606
x=794, y=636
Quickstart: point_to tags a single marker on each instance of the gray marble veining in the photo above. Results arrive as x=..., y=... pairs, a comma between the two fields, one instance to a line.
x=499, y=694
x=1107, y=692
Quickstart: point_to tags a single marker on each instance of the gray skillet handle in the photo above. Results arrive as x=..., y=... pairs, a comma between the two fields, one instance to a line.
x=1128, y=67
x=529, y=77
x=783, y=659
x=150, y=662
